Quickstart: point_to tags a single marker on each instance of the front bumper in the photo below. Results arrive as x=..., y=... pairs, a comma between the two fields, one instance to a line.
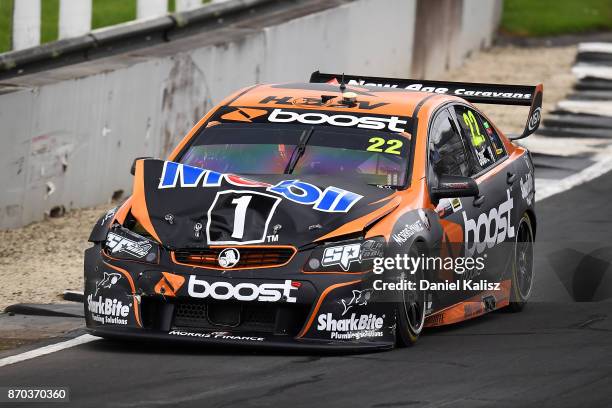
x=125, y=299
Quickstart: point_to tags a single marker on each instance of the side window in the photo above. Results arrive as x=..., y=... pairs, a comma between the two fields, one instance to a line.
x=447, y=154
x=474, y=132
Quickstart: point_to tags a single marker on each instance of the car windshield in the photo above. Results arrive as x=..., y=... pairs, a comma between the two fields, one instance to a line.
x=375, y=157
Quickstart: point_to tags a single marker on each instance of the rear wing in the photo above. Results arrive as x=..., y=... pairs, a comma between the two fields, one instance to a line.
x=498, y=94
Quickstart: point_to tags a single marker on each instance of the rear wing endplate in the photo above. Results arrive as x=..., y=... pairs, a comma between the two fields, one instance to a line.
x=498, y=94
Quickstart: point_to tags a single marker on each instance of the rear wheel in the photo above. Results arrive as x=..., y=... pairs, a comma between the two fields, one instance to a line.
x=522, y=267
x=410, y=308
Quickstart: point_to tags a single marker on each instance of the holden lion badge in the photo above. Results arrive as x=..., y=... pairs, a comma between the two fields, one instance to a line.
x=228, y=258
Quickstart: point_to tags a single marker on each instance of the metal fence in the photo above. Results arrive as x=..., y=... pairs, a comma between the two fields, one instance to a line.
x=75, y=17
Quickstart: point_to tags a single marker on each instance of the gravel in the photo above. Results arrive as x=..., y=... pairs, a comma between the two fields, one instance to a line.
x=38, y=262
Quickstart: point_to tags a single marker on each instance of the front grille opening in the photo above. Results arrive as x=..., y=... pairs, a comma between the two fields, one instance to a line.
x=249, y=257
x=279, y=319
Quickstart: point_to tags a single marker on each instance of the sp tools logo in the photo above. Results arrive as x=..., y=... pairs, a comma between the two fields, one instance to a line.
x=497, y=225
x=245, y=291
x=341, y=255
x=169, y=284
x=392, y=123
x=118, y=243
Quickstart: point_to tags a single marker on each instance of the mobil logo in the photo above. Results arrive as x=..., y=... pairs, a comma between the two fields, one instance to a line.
x=331, y=199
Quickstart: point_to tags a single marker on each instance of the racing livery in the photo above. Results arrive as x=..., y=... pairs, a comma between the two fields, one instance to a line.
x=306, y=214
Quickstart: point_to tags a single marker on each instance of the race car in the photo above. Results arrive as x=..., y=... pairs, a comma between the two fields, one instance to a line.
x=347, y=213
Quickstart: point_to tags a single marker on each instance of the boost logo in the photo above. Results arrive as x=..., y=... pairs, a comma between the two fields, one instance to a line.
x=247, y=292
x=497, y=226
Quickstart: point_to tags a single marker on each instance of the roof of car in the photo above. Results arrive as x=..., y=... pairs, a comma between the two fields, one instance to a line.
x=374, y=100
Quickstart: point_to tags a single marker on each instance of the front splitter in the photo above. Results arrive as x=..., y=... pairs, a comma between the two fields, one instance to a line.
x=269, y=342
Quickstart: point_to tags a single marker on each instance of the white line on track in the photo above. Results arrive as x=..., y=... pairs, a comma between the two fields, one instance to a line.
x=52, y=348
x=551, y=187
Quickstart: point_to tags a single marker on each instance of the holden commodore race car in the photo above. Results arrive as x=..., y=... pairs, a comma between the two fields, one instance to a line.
x=306, y=215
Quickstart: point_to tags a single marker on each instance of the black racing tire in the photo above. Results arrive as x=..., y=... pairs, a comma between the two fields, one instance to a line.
x=410, y=309
x=522, y=266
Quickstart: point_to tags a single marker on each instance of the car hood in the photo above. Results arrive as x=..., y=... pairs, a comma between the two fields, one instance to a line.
x=190, y=207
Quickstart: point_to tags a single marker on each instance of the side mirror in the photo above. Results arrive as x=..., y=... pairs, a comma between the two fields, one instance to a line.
x=133, y=168
x=454, y=186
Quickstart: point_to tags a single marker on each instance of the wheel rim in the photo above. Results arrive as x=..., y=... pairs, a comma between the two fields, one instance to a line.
x=524, y=259
x=414, y=308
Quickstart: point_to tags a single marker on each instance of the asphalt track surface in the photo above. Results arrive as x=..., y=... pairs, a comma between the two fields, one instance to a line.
x=556, y=353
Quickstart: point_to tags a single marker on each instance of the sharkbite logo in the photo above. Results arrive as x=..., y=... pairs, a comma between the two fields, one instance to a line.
x=332, y=199
x=360, y=298
x=107, y=281
x=496, y=225
x=107, y=310
x=351, y=328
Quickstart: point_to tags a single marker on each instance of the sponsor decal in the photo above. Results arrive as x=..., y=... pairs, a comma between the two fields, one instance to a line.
x=244, y=114
x=109, y=214
x=107, y=310
x=341, y=255
x=497, y=226
x=407, y=232
x=344, y=255
x=169, y=284
x=534, y=119
x=351, y=328
x=456, y=204
x=244, y=291
x=360, y=298
x=332, y=199
x=527, y=188
x=392, y=123
x=442, y=90
x=108, y=280
x=274, y=236
x=215, y=335
x=118, y=243
x=228, y=258
x=424, y=219
x=320, y=102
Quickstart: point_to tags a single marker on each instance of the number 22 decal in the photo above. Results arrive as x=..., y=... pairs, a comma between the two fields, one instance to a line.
x=393, y=145
x=240, y=217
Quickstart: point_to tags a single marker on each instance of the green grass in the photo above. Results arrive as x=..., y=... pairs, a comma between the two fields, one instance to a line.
x=49, y=15
x=6, y=23
x=553, y=17
x=109, y=12
x=105, y=13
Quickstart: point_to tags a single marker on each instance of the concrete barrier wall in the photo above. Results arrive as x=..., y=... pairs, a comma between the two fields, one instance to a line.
x=69, y=135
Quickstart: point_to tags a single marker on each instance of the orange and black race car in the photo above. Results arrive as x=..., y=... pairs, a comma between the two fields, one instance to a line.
x=345, y=213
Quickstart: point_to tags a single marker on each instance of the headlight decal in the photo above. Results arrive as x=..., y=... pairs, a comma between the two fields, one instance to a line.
x=123, y=244
x=350, y=256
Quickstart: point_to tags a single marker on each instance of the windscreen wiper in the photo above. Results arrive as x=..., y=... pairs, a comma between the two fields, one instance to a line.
x=298, y=152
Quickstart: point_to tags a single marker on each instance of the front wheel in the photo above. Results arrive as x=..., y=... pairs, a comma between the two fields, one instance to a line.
x=522, y=266
x=410, y=309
